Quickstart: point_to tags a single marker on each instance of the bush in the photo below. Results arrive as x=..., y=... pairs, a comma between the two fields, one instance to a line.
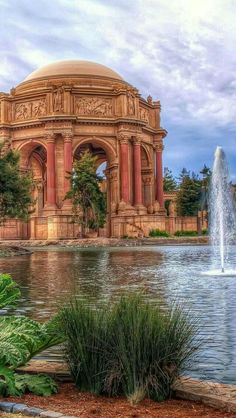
x=129, y=348
x=204, y=231
x=186, y=233
x=158, y=233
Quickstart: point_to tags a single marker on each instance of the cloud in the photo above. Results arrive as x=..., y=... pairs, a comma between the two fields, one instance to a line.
x=181, y=52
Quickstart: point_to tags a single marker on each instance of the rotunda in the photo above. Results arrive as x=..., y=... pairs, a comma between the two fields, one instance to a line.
x=60, y=110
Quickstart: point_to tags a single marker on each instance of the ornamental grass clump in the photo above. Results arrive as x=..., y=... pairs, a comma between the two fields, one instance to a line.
x=130, y=348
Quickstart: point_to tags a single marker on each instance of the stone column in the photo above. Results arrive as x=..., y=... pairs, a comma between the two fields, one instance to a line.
x=67, y=159
x=137, y=166
x=124, y=168
x=51, y=174
x=159, y=175
x=137, y=172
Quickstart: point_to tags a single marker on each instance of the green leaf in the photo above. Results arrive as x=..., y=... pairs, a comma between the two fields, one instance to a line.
x=7, y=382
x=39, y=384
x=9, y=292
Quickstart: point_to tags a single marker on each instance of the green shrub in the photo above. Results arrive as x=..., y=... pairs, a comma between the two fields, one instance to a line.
x=204, y=231
x=186, y=233
x=21, y=338
x=158, y=233
x=129, y=348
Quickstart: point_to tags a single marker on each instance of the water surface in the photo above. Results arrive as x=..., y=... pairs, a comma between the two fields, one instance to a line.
x=165, y=274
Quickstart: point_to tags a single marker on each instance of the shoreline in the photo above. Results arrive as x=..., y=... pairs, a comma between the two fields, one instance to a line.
x=14, y=245
x=216, y=395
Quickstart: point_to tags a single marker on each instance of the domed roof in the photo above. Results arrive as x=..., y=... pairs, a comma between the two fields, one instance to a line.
x=73, y=68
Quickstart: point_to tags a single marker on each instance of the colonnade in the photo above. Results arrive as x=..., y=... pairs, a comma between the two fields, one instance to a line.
x=124, y=167
x=137, y=171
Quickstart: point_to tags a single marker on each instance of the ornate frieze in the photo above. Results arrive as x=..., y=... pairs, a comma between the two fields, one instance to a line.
x=93, y=106
x=30, y=110
x=144, y=114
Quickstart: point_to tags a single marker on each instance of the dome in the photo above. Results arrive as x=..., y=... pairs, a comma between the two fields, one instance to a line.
x=73, y=68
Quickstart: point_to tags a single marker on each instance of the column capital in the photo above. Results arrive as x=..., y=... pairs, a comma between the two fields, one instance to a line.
x=67, y=136
x=123, y=138
x=137, y=139
x=50, y=136
x=158, y=146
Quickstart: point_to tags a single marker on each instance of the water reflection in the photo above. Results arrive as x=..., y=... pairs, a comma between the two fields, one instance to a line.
x=166, y=274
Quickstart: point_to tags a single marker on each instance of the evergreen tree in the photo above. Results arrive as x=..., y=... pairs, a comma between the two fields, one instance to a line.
x=89, y=202
x=206, y=178
x=15, y=188
x=189, y=194
x=169, y=182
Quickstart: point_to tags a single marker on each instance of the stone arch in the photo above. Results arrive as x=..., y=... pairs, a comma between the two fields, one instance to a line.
x=146, y=173
x=33, y=157
x=146, y=157
x=105, y=152
x=26, y=149
x=103, y=143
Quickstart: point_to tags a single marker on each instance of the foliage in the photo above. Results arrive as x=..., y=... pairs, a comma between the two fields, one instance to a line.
x=15, y=188
x=130, y=347
x=205, y=183
x=21, y=338
x=189, y=194
x=40, y=384
x=158, y=233
x=9, y=292
x=204, y=231
x=186, y=233
x=89, y=203
x=169, y=182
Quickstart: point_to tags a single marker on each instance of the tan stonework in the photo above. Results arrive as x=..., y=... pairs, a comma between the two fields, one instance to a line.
x=67, y=107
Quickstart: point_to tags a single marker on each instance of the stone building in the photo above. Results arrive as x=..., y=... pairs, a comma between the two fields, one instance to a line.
x=69, y=106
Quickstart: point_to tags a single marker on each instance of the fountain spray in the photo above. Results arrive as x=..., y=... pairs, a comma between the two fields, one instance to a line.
x=222, y=209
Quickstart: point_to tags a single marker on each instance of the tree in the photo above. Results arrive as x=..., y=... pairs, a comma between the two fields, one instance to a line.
x=15, y=188
x=169, y=182
x=206, y=178
x=189, y=194
x=89, y=203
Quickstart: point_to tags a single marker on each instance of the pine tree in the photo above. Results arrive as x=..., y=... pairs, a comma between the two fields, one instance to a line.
x=15, y=188
x=89, y=202
x=189, y=194
x=169, y=182
x=206, y=178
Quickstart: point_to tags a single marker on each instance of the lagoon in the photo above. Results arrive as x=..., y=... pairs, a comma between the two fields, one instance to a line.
x=164, y=273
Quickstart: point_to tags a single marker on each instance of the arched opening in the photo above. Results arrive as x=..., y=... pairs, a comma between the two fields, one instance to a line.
x=102, y=168
x=33, y=158
x=146, y=178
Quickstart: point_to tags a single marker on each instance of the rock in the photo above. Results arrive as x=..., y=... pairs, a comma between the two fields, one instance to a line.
x=6, y=406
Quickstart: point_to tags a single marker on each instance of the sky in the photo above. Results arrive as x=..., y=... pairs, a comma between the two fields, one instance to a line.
x=181, y=52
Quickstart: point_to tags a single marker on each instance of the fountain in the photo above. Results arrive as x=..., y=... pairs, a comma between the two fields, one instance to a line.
x=222, y=219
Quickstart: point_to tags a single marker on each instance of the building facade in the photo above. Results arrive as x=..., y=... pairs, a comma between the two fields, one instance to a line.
x=61, y=110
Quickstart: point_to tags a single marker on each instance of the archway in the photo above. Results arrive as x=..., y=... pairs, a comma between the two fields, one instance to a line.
x=102, y=168
x=147, y=180
x=33, y=159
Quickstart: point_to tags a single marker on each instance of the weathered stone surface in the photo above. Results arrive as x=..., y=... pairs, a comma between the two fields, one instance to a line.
x=32, y=412
x=216, y=395
x=6, y=406
x=19, y=407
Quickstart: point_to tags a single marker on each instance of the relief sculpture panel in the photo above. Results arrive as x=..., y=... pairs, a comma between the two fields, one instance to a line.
x=30, y=110
x=94, y=106
x=144, y=114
